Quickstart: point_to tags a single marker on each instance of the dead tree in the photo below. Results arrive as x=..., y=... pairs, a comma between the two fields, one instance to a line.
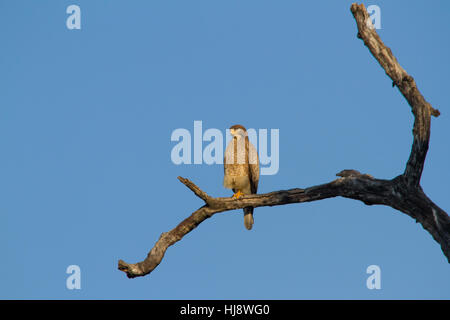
x=402, y=193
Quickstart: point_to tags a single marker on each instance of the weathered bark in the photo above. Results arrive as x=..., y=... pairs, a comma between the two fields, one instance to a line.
x=402, y=193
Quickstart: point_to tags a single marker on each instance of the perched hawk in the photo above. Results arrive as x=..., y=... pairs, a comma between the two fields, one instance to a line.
x=241, y=168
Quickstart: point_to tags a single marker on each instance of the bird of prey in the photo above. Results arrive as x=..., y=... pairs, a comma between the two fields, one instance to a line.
x=241, y=169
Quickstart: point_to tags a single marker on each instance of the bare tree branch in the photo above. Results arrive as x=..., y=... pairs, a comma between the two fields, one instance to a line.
x=402, y=193
x=421, y=109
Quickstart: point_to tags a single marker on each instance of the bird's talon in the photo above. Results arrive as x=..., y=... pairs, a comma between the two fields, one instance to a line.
x=238, y=195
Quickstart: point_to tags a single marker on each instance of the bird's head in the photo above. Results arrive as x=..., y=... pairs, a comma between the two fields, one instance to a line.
x=238, y=131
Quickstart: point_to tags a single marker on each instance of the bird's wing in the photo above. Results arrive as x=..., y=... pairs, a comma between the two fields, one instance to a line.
x=228, y=154
x=253, y=163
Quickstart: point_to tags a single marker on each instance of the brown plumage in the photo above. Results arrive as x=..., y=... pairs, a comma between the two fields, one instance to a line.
x=241, y=168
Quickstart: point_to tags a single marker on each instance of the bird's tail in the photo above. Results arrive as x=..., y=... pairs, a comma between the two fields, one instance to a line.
x=248, y=217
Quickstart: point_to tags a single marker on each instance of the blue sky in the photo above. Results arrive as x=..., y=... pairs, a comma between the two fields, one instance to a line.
x=86, y=118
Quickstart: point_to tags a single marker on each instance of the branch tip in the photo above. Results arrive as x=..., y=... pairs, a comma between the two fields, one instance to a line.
x=196, y=190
